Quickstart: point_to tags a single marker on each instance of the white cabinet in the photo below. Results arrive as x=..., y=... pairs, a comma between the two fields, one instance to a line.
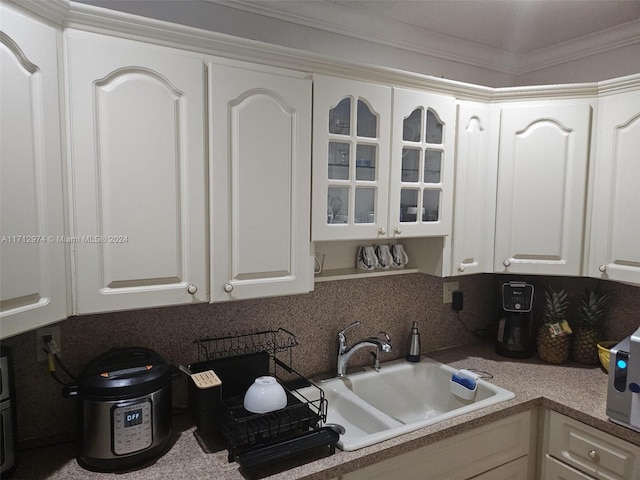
x=475, y=189
x=33, y=288
x=615, y=240
x=542, y=177
x=574, y=450
x=260, y=124
x=138, y=173
x=500, y=450
x=422, y=164
x=351, y=141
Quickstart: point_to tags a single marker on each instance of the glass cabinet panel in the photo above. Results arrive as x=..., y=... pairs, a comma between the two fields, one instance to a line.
x=340, y=118
x=421, y=165
x=338, y=161
x=431, y=205
x=411, y=164
x=338, y=205
x=432, y=166
x=366, y=162
x=412, y=126
x=434, y=128
x=408, y=204
x=341, y=168
x=365, y=205
x=367, y=121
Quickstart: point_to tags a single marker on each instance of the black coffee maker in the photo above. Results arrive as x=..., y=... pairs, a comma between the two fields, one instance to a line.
x=516, y=332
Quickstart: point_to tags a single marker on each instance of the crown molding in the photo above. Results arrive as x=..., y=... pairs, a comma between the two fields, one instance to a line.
x=629, y=83
x=599, y=42
x=114, y=23
x=52, y=10
x=345, y=21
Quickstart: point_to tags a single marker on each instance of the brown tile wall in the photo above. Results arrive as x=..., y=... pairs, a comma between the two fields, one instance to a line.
x=388, y=303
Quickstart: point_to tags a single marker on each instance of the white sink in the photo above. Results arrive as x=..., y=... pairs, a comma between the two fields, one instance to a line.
x=402, y=397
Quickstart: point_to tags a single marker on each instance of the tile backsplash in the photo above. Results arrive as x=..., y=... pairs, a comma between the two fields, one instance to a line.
x=389, y=303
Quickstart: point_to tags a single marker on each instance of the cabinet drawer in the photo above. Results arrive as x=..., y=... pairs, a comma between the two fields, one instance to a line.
x=590, y=450
x=555, y=470
x=515, y=470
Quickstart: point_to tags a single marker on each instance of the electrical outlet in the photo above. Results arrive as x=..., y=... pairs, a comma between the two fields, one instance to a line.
x=54, y=331
x=447, y=291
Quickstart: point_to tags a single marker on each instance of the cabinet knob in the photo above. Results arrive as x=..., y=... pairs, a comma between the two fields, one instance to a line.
x=228, y=287
x=602, y=268
x=382, y=231
x=192, y=289
x=593, y=455
x=398, y=230
x=506, y=263
x=461, y=268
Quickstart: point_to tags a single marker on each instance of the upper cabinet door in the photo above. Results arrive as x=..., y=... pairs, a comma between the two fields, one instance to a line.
x=32, y=253
x=615, y=253
x=260, y=182
x=138, y=174
x=422, y=169
x=475, y=202
x=351, y=136
x=542, y=177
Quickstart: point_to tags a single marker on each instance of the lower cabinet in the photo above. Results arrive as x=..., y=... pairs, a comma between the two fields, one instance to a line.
x=573, y=450
x=504, y=449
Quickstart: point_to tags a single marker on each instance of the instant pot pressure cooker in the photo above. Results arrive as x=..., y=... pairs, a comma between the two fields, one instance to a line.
x=124, y=405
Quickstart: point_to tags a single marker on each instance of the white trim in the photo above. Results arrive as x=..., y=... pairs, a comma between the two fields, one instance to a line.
x=348, y=22
x=115, y=23
x=604, y=41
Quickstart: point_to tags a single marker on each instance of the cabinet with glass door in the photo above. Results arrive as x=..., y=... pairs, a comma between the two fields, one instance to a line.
x=352, y=131
x=421, y=186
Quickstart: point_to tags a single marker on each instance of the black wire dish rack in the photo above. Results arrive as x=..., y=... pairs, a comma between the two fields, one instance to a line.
x=254, y=440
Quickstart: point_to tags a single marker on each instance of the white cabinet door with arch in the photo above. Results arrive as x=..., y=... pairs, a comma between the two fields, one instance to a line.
x=475, y=192
x=542, y=177
x=422, y=164
x=137, y=160
x=615, y=253
x=351, y=138
x=33, y=288
x=260, y=176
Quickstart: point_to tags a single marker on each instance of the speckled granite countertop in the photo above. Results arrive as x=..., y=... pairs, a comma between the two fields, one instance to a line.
x=573, y=390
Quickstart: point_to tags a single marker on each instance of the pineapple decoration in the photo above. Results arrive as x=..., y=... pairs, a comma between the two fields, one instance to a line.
x=591, y=313
x=553, y=335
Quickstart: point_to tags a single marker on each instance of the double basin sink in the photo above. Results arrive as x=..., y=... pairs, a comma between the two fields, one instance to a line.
x=399, y=398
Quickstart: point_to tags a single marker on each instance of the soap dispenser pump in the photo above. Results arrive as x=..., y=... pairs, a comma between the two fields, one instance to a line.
x=413, y=344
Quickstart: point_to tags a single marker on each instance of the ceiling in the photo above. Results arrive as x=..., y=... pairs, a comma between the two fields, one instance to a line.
x=514, y=26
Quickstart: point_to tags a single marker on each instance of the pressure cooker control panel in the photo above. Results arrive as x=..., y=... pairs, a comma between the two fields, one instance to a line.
x=132, y=430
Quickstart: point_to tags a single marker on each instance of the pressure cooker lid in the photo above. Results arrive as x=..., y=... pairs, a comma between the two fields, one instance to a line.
x=123, y=372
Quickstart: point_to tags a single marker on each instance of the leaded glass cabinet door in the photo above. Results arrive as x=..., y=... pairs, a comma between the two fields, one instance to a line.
x=421, y=188
x=351, y=136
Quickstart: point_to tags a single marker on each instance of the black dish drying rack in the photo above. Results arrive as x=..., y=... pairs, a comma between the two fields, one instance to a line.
x=254, y=439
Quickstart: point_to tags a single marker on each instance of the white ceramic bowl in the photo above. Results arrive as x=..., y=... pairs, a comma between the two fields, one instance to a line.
x=265, y=395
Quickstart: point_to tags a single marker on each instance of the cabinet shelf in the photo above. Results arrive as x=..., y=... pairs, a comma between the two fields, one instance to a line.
x=351, y=273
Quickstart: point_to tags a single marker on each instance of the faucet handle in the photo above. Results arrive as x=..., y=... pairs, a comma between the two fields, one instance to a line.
x=354, y=324
x=385, y=335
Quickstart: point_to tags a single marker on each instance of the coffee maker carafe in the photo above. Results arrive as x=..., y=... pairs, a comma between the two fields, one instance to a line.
x=516, y=332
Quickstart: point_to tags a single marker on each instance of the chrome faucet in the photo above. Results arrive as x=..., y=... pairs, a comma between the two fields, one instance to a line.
x=345, y=353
